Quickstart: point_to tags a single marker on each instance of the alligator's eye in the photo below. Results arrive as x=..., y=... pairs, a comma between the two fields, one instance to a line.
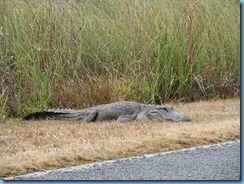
x=165, y=109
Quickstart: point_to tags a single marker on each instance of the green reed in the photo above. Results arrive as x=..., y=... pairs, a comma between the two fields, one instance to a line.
x=81, y=53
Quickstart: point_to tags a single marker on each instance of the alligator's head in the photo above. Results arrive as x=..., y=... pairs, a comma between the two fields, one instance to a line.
x=161, y=113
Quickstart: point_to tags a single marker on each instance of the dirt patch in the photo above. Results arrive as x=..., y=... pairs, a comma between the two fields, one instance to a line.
x=28, y=146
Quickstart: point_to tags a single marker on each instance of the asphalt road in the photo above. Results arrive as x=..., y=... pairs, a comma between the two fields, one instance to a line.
x=212, y=162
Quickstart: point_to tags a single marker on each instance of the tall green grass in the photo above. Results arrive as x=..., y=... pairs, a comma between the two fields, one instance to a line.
x=81, y=53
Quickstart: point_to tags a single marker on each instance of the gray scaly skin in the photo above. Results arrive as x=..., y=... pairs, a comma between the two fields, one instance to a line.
x=124, y=111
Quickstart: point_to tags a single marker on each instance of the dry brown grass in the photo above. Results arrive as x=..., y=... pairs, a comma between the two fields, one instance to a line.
x=38, y=145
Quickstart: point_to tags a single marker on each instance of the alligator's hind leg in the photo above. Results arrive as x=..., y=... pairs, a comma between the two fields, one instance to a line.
x=91, y=117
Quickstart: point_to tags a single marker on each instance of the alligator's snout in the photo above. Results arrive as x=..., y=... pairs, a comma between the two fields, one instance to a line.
x=168, y=113
x=185, y=118
x=179, y=117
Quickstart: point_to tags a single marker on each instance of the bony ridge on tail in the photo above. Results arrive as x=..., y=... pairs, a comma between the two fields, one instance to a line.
x=123, y=111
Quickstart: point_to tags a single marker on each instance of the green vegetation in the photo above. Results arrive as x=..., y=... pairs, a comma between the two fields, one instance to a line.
x=76, y=54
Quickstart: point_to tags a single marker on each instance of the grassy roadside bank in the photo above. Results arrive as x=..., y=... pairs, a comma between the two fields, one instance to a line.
x=77, y=54
x=38, y=145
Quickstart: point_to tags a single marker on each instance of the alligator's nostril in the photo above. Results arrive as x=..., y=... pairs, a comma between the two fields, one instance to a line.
x=186, y=118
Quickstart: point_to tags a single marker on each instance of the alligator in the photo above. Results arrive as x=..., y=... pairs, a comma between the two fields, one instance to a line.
x=123, y=111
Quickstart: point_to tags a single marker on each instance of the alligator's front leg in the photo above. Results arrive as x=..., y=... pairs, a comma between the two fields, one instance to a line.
x=91, y=117
x=127, y=118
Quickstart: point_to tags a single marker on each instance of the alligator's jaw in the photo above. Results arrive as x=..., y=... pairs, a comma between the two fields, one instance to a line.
x=183, y=118
x=167, y=113
x=175, y=116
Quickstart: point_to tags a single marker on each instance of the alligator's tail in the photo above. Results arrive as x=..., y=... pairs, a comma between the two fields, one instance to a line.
x=51, y=114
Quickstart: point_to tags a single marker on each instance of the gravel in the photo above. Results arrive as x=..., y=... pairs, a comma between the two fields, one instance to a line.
x=211, y=162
